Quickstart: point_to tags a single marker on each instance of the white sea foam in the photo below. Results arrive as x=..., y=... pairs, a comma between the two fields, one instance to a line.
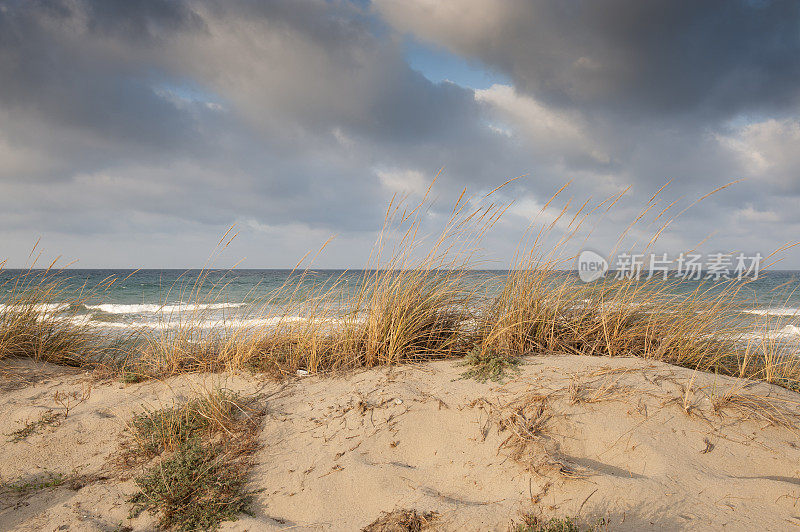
x=788, y=332
x=167, y=324
x=774, y=311
x=39, y=307
x=150, y=308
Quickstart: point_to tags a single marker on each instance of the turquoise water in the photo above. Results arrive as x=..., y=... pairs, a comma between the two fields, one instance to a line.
x=116, y=299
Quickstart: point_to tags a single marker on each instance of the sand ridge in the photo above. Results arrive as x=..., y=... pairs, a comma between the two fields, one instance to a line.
x=642, y=444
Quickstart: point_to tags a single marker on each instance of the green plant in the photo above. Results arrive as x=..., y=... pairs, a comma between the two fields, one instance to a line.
x=47, y=481
x=202, y=450
x=196, y=488
x=488, y=365
x=47, y=419
x=533, y=523
x=131, y=377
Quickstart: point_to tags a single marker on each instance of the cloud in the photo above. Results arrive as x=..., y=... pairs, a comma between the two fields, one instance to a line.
x=625, y=56
x=403, y=182
x=90, y=67
x=559, y=134
x=750, y=214
x=299, y=119
x=768, y=151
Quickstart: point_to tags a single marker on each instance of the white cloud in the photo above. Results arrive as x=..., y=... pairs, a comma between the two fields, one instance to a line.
x=751, y=214
x=404, y=181
x=549, y=132
x=768, y=150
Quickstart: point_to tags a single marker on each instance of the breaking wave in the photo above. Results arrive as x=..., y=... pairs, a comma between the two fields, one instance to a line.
x=151, y=308
x=774, y=311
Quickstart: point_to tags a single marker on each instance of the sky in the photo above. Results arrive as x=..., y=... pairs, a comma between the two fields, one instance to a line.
x=134, y=133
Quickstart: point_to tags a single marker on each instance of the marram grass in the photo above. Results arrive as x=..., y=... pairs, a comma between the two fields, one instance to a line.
x=413, y=304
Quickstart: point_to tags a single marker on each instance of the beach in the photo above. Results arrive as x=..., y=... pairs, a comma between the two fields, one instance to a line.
x=640, y=445
x=393, y=266
x=418, y=396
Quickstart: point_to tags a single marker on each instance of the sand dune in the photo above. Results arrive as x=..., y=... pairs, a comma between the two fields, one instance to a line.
x=644, y=445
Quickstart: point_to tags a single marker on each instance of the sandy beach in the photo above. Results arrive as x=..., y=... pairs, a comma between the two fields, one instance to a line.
x=399, y=265
x=642, y=445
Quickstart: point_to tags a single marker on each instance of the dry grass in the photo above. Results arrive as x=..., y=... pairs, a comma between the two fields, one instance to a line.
x=396, y=316
x=213, y=415
x=37, y=313
x=199, y=454
x=543, y=309
x=528, y=442
x=412, y=303
x=527, y=421
x=402, y=521
x=594, y=391
x=773, y=410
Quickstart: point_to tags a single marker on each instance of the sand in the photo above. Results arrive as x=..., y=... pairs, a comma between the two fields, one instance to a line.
x=644, y=445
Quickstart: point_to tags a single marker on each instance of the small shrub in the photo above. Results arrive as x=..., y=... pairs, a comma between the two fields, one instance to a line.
x=196, y=488
x=204, y=449
x=533, y=523
x=488, y=365
x=402, y=521
x=131, y=377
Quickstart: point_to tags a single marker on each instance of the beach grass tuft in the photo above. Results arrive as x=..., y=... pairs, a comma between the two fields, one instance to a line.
x=30, y=325
x=534, y=523
x=403, y=521
x=199, y=455
x=489, y=365
x=413, y=303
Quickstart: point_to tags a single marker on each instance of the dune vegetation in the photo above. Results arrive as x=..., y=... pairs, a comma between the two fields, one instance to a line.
x=198, y=460
x=412, y=304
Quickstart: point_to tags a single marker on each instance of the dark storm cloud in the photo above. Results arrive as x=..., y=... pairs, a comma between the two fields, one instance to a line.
x=655, y=57
x=91, y=67
x=307, y=101
x=702, y=93
x=298, y=119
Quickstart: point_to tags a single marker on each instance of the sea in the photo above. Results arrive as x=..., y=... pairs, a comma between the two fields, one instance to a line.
x=121, y=300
